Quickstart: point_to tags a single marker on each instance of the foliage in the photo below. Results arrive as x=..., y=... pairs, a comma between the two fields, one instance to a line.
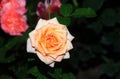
x=96, y=27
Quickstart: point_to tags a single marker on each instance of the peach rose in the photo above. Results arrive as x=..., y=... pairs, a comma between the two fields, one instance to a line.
x=51, y=41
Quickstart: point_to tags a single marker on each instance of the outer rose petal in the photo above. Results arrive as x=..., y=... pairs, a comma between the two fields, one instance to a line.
x=69, y=45
x=59, y=58
x=32, y=34
x=42, y=22
x=67, y=55
x=52, y=64
x=29, y=47
x=69, y=36
x=54, y=21
x=44, y=58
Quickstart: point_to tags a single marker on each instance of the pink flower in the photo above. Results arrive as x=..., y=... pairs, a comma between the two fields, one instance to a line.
x=44, y=9
x=19, y=5
x=13, y=20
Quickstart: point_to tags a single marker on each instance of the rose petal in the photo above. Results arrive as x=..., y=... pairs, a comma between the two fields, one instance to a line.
x=29, y=47
x=52, y=64
x=59, y=58
x=69, y=36
x=69, y=45
x=67, y=55
x=32, y=34
x=54, y=21
x=44, y=58
x=40, y=23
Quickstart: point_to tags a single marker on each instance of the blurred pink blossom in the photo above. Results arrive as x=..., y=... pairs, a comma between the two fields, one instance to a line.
x=43, y=9
x=13, y=20
x=19, y=5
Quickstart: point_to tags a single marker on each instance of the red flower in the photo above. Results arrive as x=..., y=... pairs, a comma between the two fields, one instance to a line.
x=54, y=6
x=13, y=20
x=43, y=10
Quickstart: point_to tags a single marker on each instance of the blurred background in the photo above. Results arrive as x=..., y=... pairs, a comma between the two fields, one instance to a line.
x=95, y=24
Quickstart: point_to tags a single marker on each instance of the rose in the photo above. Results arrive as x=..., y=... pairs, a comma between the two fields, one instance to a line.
x=19, y=5
x=13, y=23
x=51, y=41
x=12, y=18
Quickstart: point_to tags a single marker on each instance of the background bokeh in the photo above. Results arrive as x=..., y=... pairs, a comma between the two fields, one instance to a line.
x=95, y=24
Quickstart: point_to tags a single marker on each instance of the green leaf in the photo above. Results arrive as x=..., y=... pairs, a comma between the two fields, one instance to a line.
x=84, y=12
x=56, y=74
x=6, y=47
x=94, y=4
x=68, y=76
x=41, y=77
x=19, y=70
x=35, y=72
x=66, y=10
x=9, y=45
x=58, y=71
x=63, y=20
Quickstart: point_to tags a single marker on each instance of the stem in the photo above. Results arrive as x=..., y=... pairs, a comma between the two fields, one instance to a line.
x=48, y=7
x=49, y=11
